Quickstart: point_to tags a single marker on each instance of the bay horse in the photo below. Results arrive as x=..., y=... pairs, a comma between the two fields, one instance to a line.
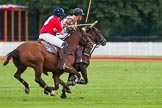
x=33, y=54
x=98, y=39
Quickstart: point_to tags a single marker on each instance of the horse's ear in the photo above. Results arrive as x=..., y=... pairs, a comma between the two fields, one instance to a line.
x=84, y=32
x=82, y=29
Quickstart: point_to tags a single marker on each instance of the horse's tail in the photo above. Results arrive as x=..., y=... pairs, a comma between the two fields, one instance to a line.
x=14, y=53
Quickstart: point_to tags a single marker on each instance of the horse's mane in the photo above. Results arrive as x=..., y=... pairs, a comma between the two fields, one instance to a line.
x=78, y=29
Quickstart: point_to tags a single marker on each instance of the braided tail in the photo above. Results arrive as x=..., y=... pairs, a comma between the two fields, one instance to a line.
x=9, y=56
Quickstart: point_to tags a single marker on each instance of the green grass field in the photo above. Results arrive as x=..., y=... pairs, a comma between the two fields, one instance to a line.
x=112, y=84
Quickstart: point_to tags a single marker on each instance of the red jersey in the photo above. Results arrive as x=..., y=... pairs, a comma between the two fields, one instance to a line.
x=51, y=25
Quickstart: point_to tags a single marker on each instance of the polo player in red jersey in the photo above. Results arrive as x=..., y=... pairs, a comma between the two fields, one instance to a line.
x=49, y=29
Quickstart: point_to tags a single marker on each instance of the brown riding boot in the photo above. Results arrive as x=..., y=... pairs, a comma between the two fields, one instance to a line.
x=63, y=52
x=78, y=54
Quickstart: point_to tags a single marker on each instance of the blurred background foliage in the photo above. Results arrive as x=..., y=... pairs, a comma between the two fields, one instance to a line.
x=119, y=20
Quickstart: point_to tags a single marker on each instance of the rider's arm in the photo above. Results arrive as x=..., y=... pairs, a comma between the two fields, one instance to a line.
x=69, y=23
x=59, y=28
x=73, y=26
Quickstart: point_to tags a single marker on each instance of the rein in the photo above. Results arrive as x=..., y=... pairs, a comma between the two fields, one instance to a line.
x=97, y=44
x=93, y=49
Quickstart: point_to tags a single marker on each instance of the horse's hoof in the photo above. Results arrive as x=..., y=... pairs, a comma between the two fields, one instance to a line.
x=72, y=83
x=27, y=90
x=63, y=96
x=53, y=93
x=81, y=81
x=67, y=90
x=45, y=92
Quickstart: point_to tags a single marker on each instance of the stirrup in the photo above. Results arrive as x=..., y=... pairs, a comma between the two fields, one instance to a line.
x=61, y=64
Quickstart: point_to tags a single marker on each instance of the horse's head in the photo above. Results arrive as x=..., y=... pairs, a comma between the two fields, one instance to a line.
x=96, y=36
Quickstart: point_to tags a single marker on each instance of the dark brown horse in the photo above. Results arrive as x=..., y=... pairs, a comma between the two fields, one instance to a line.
x=98, y=39
x=81, y=66
x=33, y=54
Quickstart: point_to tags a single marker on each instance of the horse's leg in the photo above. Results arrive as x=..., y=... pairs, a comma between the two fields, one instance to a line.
x=63, y=95
x=56, y=78
x=17, y=75
x=83, y=69
x=65, y=89
x=73, y=71
x=38, y=72
x=80, y=67
x=65, y=86
x=69, y=77
x=57, y=81
x=71, y=80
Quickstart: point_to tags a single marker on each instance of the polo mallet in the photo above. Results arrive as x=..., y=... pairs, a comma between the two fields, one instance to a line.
x=90, y=1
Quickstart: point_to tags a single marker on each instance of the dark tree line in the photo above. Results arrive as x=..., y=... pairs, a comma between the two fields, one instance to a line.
x=119, y=20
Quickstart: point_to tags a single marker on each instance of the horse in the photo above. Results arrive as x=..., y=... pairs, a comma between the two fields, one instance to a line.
x=33, y=54
x=98, y=39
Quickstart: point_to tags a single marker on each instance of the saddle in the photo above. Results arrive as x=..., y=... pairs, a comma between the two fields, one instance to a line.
x=61, y=53
x=49, y=47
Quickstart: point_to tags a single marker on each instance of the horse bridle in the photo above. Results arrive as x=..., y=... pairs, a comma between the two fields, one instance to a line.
x=98, y=43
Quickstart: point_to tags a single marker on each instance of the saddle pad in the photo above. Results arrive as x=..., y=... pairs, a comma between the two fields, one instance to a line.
x=49, y=48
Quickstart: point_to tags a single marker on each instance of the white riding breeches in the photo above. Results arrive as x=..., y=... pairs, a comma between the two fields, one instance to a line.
x=51, y=39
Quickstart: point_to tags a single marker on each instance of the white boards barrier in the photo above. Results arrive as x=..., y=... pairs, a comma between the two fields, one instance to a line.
x=6, y=47
x=111, y=48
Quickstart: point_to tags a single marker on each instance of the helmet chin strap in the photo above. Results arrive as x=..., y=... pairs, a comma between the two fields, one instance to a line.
x=80, y=18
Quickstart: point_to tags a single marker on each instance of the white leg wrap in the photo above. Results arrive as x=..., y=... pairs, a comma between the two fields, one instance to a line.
x=51, y=39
